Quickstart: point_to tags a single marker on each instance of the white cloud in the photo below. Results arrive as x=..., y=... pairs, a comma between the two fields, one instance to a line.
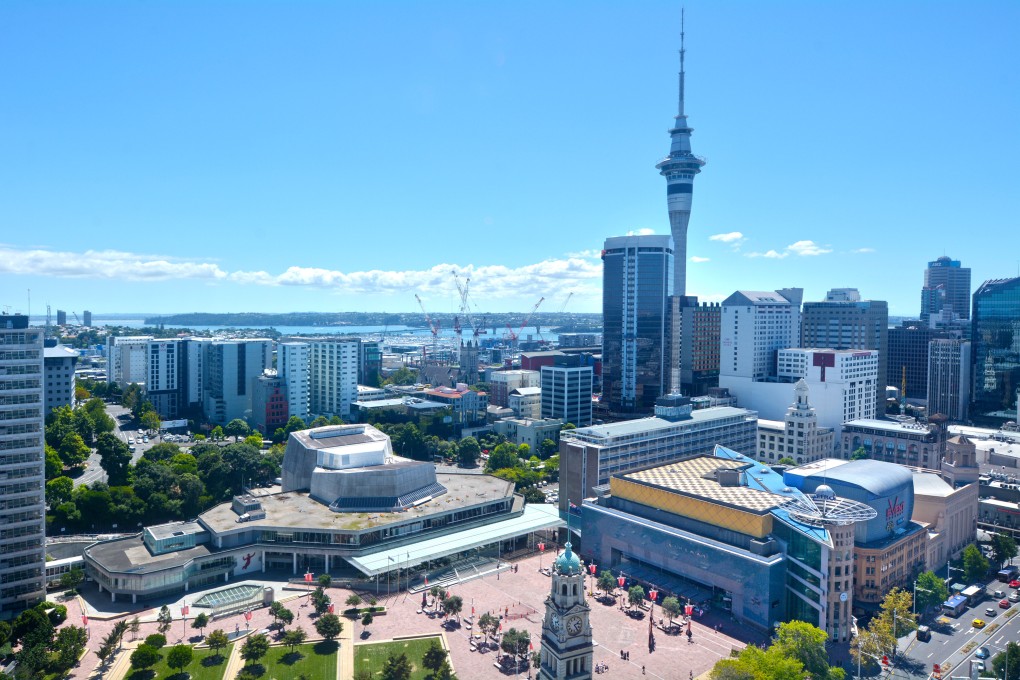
x=808, y=248
x=771, y=254
x=590, y=254
x=863, y=250
x=645, y=231
x=728, y=237
x=695, y=258
x=582, y=275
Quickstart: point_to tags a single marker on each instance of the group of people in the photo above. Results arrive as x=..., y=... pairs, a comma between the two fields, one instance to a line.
x=601, y=668
x=625, y=655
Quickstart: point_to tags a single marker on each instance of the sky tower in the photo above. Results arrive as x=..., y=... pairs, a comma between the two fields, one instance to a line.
x=679, y=169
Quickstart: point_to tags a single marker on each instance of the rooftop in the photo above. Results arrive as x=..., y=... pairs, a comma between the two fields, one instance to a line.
x=930, y=484
x=132, y=556
x=696, y=477
x=60, y=352
x=887, y=425
x=653, y=425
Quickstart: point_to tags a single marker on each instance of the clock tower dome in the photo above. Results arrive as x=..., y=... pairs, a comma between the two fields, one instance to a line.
x=567, y=649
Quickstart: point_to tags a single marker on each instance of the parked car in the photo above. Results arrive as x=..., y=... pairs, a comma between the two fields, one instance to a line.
x=978, y=623
x=1015, y=583
x=1014, y=596
x=982, y=653
x=999, y=594
x=1004, y=603
x=990, y=612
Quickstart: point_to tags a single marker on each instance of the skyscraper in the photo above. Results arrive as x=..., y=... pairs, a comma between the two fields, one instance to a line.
x=949, y=378
x=23, y=510
x=996, y=351
x=845, y=321
x=946, y=285
x=637, y=280
x=679, y=169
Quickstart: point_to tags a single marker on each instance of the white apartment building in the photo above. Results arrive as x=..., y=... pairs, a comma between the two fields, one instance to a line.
x=231, y=367
x=526, y=402
x=59, y=381
x=797, y=436
x=756, y=325
x=333, y=377
x=528, y=431
x=293, y=366
x=502, y=383
x=127, y=360
x=22, y=466
x=839, y=381
x=566, y=392
x=195, y=351
x=949, y=378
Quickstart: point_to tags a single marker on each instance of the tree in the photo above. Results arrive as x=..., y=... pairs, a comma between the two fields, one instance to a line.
x=254, y=648
x=5, y=633
x=757, y=663
x=54, y=465
x=134, y=626
x=320, y=421
x=59, y=491
x=165, y=618
x=672, y=607
x=930, y=591
x=179, y=656
x=975, y=564
x=397, y=668
x=367, y=619
x=293, y=638
x=236, y=428
x=73, y=450
x=445, y=671
x=859, y=454
x=72, y=579
x=114, y=458
x=786, y=460
x=547, y=448
x=150, y=421
x=104, y=653
x=453, y=605
x=32, y=627
x=402, y=376
x=516, y=642
x=363, y=674
x=606, y=582
x=1003, y=549
x=156, y=640
x=320, y=600
x=899, y=601
x=805, y=643
x=217, y=640
x=488, y=624
x=468, y=452
x=533, y=495
x=162, y=451
x=636, y=595
x=1008, y=660
x=503, y=456
x=325, y=580
x=434, y=657
x=438, y=594
x=329, y=626
x=200, y=622
x=217, y=433
x=69, y=644
x=32, y=659
x=353, y=600
x=144, y=657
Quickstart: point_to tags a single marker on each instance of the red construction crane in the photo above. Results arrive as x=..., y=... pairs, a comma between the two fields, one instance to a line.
x=527, y=318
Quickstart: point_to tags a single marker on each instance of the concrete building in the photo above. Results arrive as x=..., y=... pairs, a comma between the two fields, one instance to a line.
x=797, y=436
x=728, y=529
x=695, y=338
x=946, y=288
x=86, y=318
x=567, y=389
x=908, y=356
x=589, y=456
x=949, y=378
x=231, y=366
x=22, y=466
x=346, y=506
x=755, y=326
x=526, y=402
x=586, y=340
x=528, y=431
x=892, y=441
x=269, y=403
x=469, y=407
x=59, y=362
x=844, y=321
x=61, y=317
x=996, y=351
x=502, y=383
x=567, y=649
x=164, y=383
x=960, y=464
x=293, y=366
x=333, y=377
x=637, y=281
x=194, y=354
x=127, y=359
x=369, y=362
x=842, y=385
x=948, y=512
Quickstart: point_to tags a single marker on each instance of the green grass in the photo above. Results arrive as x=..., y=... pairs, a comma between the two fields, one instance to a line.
x=315, y=660
x=204, y=666
x=373, y=656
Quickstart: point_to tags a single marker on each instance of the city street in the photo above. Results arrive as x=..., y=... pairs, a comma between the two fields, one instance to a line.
x=124, y=429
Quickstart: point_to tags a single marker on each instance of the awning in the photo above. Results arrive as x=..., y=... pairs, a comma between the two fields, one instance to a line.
x=536, y=517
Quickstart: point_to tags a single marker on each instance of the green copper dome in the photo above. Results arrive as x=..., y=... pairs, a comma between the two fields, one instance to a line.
x=568, y=562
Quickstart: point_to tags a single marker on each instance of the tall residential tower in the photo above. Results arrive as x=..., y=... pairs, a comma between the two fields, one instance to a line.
x=679, y=169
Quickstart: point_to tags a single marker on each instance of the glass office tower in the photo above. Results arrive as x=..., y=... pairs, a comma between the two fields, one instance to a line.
x=996, y=351
x=637, y=282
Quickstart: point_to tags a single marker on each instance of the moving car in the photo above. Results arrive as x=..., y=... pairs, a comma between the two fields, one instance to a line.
x=990, y=612
x=1004, y=603
x=982, y=653
x=1014, y=596
x=978, y=623
x=1015, y=583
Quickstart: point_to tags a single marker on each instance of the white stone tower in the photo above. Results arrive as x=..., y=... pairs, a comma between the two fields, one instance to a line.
x=567, y=649
x=679, y=169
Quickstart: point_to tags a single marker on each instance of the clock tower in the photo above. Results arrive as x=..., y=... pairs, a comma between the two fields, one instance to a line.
x=567, y=649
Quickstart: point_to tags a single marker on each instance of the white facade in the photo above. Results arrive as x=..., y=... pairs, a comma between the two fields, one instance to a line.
x=60, y=361
x=526, y=402
x=333, y=377
x=23, y=510
x=798, y=436
x=566, y=393
x=842, y=385
x=293, y=366
x=528, y=431
x=127, y=359
x=949, y=378
x=231, y=367
x=196, y=350
x=502, y=383
x=756, y=325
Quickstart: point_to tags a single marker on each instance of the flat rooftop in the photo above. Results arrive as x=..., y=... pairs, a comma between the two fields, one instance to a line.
x=297, y=510
x=175, y=529
x=654, y=425
x=887, y=426
x=694, y=477
x=129, y=555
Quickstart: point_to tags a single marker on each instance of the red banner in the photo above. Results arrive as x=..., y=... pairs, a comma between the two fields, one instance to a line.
x=247, y=616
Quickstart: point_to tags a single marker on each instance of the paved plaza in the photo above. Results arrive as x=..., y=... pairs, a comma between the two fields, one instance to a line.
x=516, y=595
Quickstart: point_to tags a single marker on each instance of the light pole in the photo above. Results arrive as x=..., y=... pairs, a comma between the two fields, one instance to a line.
x=923, y=590
x=950, y=568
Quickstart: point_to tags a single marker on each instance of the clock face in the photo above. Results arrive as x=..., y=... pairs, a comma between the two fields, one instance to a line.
x=574, y=625
x=842, y=597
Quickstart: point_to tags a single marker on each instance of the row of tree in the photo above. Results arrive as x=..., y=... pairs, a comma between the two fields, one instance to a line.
x=43, y=648
x=797, y=652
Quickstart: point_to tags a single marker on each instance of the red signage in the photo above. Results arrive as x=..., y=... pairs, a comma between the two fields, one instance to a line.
x=895, y=508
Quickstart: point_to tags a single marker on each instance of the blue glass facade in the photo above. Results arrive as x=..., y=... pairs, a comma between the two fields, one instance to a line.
x=996, y=351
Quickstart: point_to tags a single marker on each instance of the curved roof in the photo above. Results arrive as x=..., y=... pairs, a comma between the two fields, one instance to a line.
x=874, y=476
x=568, y=562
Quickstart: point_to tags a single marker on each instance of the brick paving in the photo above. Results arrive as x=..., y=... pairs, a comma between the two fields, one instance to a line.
x=520, y=595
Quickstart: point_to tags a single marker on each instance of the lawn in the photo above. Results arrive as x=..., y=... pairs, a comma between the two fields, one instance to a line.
x=373, y=656
x=316, y=660
x=204, y=666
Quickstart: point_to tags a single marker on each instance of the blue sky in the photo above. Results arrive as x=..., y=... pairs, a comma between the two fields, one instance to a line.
x=241, y=156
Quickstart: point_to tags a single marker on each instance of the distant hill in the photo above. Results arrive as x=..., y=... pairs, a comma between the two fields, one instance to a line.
x=579, y=322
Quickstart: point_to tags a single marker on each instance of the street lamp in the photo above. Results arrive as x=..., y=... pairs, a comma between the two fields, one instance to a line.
x=923, y=590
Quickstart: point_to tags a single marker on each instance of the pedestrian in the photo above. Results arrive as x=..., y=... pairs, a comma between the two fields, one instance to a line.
x=642, y=669
x=691, y=674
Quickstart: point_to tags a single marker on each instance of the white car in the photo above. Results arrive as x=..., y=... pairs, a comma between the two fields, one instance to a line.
x=131, y=441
